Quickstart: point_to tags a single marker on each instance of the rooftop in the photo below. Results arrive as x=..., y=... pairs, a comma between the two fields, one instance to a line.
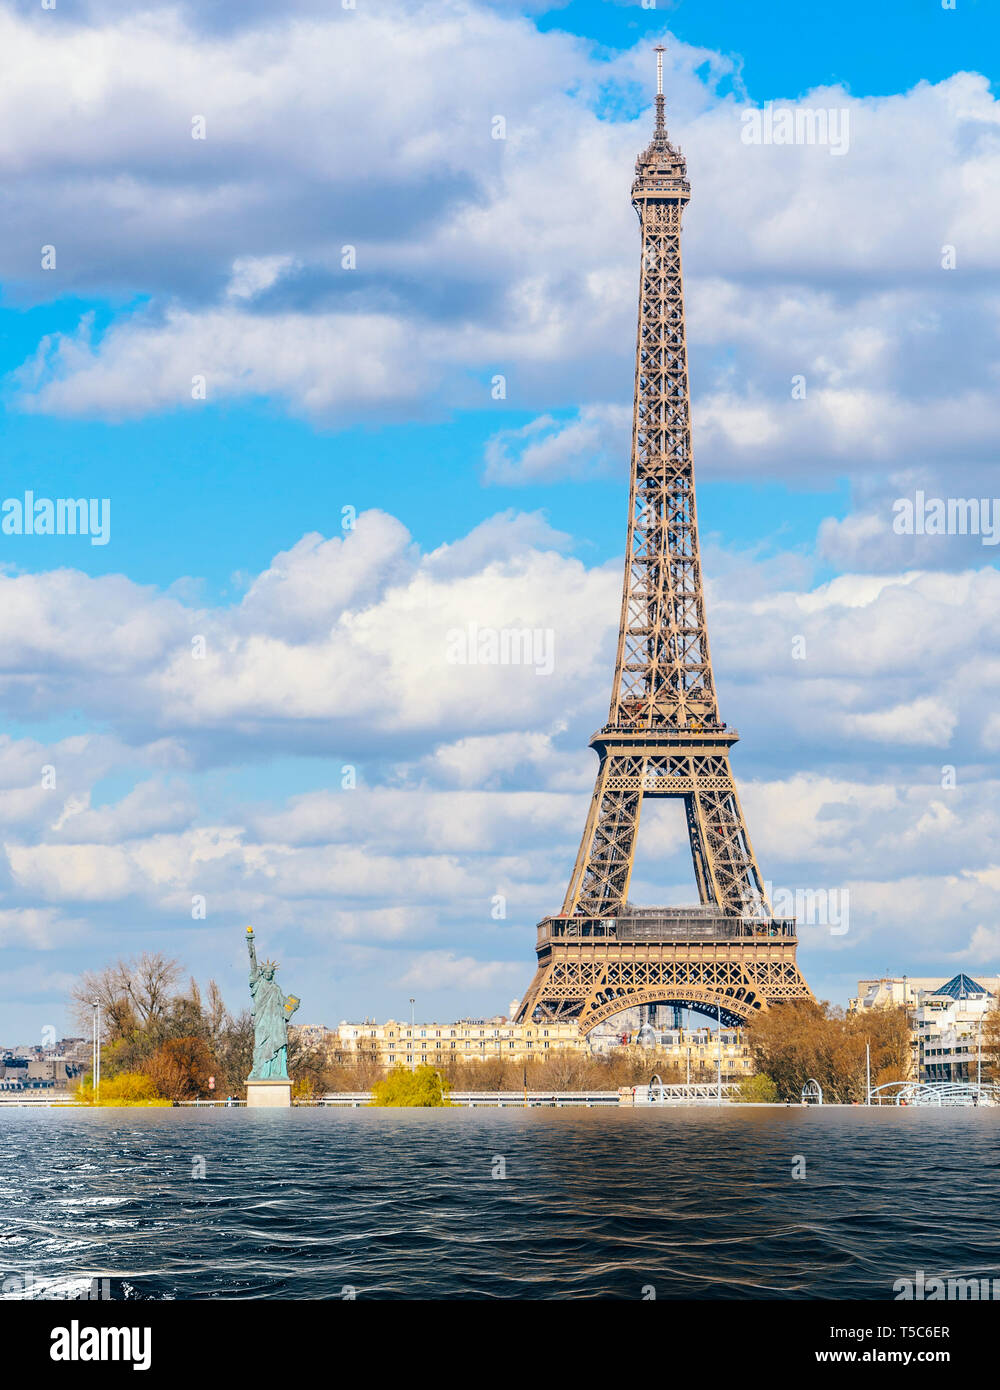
x=962, y=986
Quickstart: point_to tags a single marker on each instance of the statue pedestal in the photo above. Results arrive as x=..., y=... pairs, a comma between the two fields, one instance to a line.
x=274, y=1093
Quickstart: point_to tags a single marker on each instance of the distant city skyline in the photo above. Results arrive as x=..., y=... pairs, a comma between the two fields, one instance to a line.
x=346, y=398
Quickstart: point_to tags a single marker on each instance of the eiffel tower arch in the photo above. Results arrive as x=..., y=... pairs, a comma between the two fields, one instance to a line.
x=726, y=956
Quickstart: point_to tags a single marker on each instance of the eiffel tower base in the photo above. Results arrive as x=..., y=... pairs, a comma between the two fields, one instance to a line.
x=590, y=970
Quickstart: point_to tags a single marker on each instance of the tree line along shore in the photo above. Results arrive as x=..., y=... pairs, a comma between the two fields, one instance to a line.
x=166, y=1039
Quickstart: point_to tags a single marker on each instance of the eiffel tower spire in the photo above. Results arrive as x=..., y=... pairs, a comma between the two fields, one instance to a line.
x=665, y=736
x=661, y=125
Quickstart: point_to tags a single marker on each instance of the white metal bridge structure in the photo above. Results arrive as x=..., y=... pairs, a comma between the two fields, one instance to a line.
x=934, y=1093
x=692, y=1093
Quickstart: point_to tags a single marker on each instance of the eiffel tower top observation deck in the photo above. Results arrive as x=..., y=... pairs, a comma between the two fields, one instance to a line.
x=661, y=170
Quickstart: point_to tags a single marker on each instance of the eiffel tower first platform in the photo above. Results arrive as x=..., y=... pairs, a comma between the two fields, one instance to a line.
x=726, y=956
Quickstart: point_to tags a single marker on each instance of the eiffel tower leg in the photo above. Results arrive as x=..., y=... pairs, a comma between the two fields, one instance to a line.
x=724, y=861
x=554, y=994
x=603, y=868
x=725, y=868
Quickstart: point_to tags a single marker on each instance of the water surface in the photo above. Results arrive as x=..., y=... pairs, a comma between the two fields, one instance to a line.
x=315, y=1203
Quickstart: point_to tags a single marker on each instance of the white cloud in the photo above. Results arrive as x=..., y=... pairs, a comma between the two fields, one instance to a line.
x=926, y=722
x=254, y=274
x=984, y=946
x=151, y=807
x=473, y=783
x=445, y=970
x=596, y=441
x=239, y=239
x=35, y=982
x=41, y=928
x=349, y=642
x=149, y=362
x=353, y=631
x=515, y=257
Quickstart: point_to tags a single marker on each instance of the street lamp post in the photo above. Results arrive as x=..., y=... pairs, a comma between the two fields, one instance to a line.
x=97, y=1049
x=719, y=1081
x=412, y=1002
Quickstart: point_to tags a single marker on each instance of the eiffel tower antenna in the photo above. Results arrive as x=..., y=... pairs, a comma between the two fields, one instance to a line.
x=661, y=125
x=726, y=956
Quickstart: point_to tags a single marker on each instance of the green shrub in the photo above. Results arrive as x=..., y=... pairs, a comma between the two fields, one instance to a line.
x=759, y=1088
x=127, y=1088
x=424, y=1086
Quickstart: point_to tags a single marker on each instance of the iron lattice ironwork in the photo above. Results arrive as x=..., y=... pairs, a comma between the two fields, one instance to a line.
x=665, y=736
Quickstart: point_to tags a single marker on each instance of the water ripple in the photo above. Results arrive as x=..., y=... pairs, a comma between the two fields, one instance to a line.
x=316, y=1203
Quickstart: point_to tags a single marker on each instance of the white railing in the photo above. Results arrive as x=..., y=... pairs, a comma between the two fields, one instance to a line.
x=627, y=1095
x=697, y=1092
x=496, y=1099
x=44, y=1104
x=218, y=1104
x=935, y=1093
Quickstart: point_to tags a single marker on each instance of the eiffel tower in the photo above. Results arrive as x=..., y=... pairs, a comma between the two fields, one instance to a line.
x=726, y=956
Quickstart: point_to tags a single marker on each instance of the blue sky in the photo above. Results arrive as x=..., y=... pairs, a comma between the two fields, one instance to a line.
x=790, y=49
x=370, y=389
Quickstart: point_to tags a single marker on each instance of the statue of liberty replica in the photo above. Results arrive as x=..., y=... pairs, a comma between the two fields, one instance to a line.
x=271, y=1012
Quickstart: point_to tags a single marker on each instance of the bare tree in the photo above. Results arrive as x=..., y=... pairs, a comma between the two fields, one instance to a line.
x=151, y=981
x=217, y=1017
x=132, y=994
